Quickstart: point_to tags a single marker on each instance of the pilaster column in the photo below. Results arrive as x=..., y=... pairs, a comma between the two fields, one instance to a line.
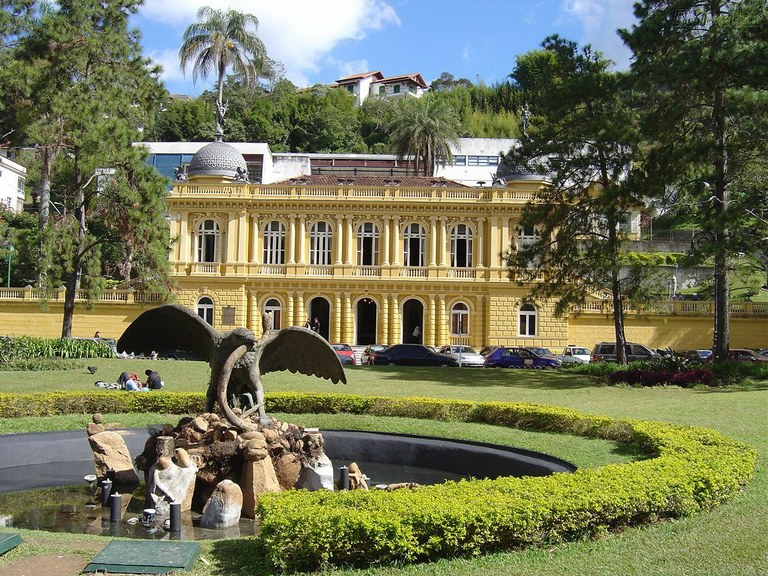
x=505, y=240
x=397, y=251
x=385, y=243
x=384, y=321
x=349, y=242
x=242, y=221
x=441, y=250
x=432, y=241
x=289, y=321
x=184, y=239
x=396, y=329
x=442, y=327
x=335, y=333
x=494, y=261
x=348, y=327
x=486, y=339
x=302, y=238
x=254, y=318
x=301, y=315
x=480, y=235
x=337, y=241
x=430, y=332
x=255, y=232
x=230, y=256
x=290, y=244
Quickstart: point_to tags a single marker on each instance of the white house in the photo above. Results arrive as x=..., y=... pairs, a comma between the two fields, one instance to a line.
x=375, y=84
x=12, y=177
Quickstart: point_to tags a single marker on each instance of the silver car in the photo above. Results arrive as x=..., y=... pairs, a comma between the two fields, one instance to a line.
x=465, y=355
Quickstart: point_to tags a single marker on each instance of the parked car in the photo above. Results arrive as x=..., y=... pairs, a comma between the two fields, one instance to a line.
x=370, y=350
x=695, y=355
x=543, y=352
x=485, y=350
x=412, y=355
x=465, y=355
x=345, y=354
x=606, y=352
x=745, y=355
x=513, y=357
x=763, y=352
x=574, y=355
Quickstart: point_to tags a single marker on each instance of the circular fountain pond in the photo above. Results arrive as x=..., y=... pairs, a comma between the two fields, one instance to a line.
x=43, y=485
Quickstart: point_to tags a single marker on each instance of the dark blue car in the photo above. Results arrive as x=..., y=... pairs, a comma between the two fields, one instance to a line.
x=511, y=357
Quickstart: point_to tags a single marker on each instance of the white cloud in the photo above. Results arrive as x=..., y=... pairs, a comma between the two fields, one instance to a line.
x=299, y=33
x=599, y=20
x=169, y=60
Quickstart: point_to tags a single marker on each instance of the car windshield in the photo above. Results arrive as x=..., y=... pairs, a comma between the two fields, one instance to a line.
x=341, y=347
x=580, y=351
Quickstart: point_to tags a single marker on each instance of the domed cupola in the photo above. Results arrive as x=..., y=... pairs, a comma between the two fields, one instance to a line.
x=218, y=159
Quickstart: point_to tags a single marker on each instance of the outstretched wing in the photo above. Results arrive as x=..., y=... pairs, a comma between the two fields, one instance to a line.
x=169, y=329
x=301, y=350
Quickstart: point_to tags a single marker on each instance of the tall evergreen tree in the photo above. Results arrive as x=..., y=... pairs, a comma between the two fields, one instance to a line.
x=105, y=94
x=581, y=135
x=703, y=65
x=220, y=40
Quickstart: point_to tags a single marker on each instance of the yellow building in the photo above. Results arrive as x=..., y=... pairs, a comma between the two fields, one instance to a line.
x=372, y=257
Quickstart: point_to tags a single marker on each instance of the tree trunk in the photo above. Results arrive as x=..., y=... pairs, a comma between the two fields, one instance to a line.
x=73, y=279
x=721, y=337
x=44, y=188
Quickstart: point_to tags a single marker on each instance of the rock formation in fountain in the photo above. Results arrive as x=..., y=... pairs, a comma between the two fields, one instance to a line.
x=110, y=453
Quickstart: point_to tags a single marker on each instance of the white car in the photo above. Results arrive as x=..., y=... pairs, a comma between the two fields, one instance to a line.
x=575, y=355
x=465, y=355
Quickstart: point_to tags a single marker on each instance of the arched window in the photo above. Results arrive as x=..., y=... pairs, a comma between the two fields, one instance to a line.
x=274, y=243
x=460, y=320
x=414, y=242
x=527, y=320
x=205, y=309
x=368, y=244
x=320, y=242
x=461, y=246
x=273, y=308
x=208, y=240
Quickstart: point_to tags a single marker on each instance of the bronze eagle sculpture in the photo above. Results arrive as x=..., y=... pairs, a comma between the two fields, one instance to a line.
x=237, y=358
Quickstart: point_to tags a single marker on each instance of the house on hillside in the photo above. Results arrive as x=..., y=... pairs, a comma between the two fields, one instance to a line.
x=12, y=178
x=375, y=84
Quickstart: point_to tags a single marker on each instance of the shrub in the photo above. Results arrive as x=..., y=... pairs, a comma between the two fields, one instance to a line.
x=686, y=470
x=25, y=347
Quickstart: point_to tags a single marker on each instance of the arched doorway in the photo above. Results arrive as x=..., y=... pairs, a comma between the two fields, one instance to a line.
x=366, y=321
x=320, y=308
x=413, y=321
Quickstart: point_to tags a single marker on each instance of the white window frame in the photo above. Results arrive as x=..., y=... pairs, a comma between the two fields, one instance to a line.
x=320, y=244
x=368, y=234
x=528, y=320
x=274, y=243
x=273, y=306
x=460, y=319
x=461, y=233
x=205, y=309
x=209, y=252
x=414, y=232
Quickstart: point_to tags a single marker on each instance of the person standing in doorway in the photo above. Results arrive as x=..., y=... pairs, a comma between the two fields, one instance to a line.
x=316, y=325
x=416, y=334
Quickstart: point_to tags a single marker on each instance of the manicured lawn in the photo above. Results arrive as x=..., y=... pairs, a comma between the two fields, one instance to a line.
x=728, y=541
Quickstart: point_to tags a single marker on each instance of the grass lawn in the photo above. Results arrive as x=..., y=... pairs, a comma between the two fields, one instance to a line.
x=729, y=541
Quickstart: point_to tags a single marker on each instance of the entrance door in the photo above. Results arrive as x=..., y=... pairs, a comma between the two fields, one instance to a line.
x=320, y=308
x=366, y=321
x=413, y=322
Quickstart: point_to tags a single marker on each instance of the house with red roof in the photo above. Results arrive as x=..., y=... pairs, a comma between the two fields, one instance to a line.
x=375, y=84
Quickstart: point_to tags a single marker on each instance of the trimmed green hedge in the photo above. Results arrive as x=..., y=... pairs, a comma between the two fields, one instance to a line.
x=688, y=469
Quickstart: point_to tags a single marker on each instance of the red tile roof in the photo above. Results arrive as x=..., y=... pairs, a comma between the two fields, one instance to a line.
x=415, y=77
x=360, y=76
x=401, y=181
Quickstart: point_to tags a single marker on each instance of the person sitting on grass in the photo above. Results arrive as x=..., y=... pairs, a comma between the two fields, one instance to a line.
x=154, y=382
x=131, y=383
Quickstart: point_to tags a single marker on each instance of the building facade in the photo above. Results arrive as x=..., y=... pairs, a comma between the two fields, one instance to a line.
x=371, y=257
x=12, y=178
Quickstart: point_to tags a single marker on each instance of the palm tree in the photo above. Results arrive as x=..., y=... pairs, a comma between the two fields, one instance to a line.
x=424, y=128
x=218, y=40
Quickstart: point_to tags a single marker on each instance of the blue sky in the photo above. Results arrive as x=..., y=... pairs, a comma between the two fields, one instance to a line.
x=320, y=41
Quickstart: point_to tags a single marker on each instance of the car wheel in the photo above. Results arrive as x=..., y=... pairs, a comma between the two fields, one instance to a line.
x=444, y=365
x=391, y=364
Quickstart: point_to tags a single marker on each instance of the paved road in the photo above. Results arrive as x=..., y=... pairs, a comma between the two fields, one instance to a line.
x=39, y=459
